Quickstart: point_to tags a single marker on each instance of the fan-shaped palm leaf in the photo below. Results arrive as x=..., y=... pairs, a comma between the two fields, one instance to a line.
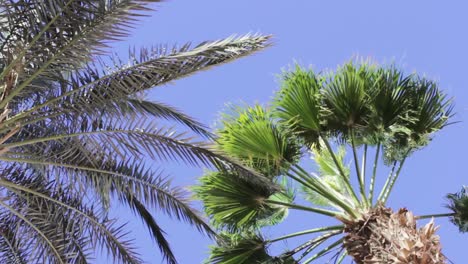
x=236, y=204
x=252, y=136
x=298, y=105
x=358, y=107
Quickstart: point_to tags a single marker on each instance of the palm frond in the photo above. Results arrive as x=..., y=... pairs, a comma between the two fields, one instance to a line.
x=98, y=84
x=346, y=100
x=157, y=233
x=69, y=224
x=236, y=204
x=62, y=35
x=298, y=103
x=247, y=248
x=252, y=136
x=458, y=204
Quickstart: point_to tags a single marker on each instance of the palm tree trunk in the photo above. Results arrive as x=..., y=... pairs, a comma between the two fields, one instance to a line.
x=384, y=236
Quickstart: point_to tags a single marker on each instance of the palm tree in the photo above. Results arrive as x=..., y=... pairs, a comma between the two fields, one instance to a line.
x=75, y=130
x=377, y=114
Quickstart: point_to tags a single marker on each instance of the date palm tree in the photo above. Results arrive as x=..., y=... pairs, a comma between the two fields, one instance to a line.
x=75, y=130
x=378, y=115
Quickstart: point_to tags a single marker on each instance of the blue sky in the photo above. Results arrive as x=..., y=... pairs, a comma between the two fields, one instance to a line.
x=427, y=37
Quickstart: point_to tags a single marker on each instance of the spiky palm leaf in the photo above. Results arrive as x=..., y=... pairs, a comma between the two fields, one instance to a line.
x=75, y=129
x=356, y=108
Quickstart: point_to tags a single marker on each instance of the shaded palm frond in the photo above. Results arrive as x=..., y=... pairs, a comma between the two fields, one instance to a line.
x=458, y=204
x=11, y=248
x=95, y=85
x=246, y=248
x=157, y=233
x=236, y=204
x=389, y=96
x=61, y=35
x=428, y=110
x=73, y=229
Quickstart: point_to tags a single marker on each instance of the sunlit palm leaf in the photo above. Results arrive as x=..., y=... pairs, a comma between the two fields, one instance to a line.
x=297, y=103
x=252, y=136
x=346, y=100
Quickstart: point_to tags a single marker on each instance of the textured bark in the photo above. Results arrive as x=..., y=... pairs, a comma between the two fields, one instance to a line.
x=383, y=236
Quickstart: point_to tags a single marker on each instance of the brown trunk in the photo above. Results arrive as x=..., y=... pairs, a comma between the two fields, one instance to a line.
x=382, y=236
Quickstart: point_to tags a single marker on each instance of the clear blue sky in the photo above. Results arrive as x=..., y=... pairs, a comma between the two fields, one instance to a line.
x=428, y=37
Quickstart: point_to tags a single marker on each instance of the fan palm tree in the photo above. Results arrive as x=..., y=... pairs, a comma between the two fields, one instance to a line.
x=374, y=113
x=75, y=130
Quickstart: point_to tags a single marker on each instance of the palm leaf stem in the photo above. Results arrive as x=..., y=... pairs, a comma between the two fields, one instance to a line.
x=338, y=165
x=317, y=186
x=305, y=232
x=363, y=171
x=311, y=248
x=70, y=166
x=435, y=216
x=341, y=257
x=4, y=126
x=374, y=174
x=25, y=50
x=36, y=229
x=311, y=243
x=71, y=135
x=324, y=251
x=394, y=179
x=387, y=182
x=358, y=172
x=304, y=208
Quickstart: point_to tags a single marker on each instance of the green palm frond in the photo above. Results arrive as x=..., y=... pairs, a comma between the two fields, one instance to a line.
x=427, y=111
x=246, y=248
x=361, y=108
x=236, y=204
x=389, y=96
x=346, y=100
x=253, y=136
x=458, y=204
x=297, y=103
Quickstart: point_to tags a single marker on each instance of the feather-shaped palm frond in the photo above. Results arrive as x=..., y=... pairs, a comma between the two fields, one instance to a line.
x=75, y=130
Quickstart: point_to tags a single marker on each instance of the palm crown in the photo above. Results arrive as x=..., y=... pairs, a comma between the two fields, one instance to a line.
x=367, y=110
x=75, y=129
